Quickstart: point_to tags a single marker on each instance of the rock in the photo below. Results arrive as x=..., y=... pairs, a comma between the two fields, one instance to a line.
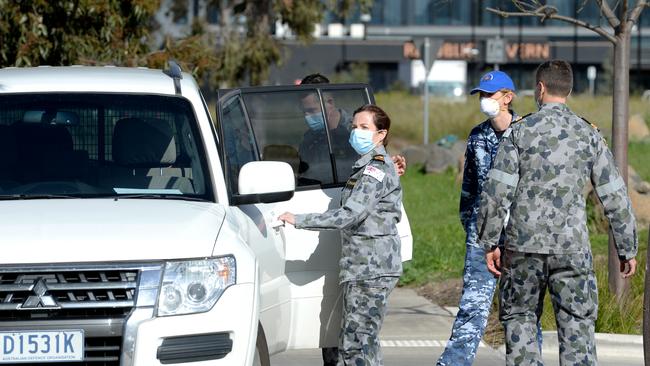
x=641, y=207
x=458, y=149
x=415, y=155
x=643, y=188
x=635, y=182
x=632, y=175
x=638, y=129
x=461, y=169
x=439, y=159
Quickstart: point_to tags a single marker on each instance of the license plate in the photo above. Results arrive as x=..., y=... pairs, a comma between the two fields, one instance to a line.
x=42, y=346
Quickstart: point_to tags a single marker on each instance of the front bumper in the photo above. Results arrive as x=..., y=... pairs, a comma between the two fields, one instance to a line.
x=233, y=314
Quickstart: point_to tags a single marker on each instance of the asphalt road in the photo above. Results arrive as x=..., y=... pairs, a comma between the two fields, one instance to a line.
x=415, y=332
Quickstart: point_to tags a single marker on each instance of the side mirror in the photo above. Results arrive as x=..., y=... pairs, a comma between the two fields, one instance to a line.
x=265, y=182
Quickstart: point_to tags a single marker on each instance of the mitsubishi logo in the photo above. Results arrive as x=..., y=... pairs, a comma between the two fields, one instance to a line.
x=39, y=298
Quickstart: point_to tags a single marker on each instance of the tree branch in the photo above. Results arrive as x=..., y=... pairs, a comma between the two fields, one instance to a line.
x=608, y=13
x=551, y=15
x=525, y=6
x=636, y=12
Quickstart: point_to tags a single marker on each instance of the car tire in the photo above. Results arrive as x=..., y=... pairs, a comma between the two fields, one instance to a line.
x=261, y=349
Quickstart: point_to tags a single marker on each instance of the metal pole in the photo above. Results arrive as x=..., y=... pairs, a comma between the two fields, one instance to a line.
x=639, y=83
x=426, y=90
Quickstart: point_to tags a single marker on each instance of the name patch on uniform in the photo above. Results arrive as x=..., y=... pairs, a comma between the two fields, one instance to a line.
x=374, y=172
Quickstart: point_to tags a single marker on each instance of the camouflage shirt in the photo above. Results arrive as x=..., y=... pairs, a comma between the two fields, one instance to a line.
x=482, y=145
x=540, y=173
x=370, y=210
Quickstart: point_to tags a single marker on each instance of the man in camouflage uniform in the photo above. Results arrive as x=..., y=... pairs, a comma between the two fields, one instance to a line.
x=370, y=263
x=315, y=163
x=478, y=283
x=539, y=174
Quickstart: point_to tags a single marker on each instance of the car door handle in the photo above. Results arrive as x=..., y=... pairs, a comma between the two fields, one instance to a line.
x=277, y=224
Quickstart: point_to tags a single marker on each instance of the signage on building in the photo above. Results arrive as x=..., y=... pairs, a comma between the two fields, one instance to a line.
x=495, y=51
x=533, y=51
x=457, y=51
x=470, y=51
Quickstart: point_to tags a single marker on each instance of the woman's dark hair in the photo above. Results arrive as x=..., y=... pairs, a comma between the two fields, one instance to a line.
x=314, y=79
x=557, y=77
x=379, y=118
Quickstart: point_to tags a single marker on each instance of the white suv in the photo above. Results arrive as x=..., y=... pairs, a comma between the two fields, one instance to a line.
x=135, y=231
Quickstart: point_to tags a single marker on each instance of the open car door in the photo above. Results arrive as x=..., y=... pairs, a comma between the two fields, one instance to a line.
x=308, y=127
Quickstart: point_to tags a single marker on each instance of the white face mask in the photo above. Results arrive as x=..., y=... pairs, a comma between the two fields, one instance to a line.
x=490, y=107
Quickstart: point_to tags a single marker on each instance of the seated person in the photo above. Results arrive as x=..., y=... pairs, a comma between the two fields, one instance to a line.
x=315, y=164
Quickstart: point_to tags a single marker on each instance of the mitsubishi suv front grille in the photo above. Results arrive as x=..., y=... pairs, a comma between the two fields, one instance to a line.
x=67, y=294
x=105, y=301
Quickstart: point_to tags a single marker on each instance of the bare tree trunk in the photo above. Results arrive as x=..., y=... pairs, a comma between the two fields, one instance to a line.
x=617, y=284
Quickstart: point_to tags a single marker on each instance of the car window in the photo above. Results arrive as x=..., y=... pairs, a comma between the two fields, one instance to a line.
x=289, y=126
x=238, y=140
x=99, y=145
x=306, y=127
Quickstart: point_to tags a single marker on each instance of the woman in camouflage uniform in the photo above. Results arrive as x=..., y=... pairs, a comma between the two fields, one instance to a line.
x=370, y=254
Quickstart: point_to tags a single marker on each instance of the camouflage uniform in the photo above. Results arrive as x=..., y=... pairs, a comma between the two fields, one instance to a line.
x=315, y=164
x=540, y=173
x=478, y=283
x=370, y=252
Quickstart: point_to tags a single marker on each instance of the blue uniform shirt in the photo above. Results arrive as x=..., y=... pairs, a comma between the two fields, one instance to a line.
x=482, y=145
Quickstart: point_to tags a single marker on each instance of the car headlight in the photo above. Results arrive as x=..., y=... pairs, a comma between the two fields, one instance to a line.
x=194, y=286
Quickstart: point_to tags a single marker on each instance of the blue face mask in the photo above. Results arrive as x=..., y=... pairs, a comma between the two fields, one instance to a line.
x=361, y=140
x=315, y=121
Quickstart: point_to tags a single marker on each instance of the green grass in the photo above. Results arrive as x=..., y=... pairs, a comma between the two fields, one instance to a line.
x=638, y=153
x=432, y=205
x=458, y=118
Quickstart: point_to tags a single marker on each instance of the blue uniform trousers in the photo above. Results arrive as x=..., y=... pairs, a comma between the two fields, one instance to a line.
x=475, y=303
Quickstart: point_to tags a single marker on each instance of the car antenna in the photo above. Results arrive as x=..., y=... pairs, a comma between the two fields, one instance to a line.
x=174, y=72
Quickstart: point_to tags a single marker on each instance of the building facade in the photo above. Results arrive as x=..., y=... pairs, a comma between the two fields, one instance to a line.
x=462, y=30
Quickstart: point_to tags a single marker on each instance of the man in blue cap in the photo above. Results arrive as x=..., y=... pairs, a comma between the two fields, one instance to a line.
x=497, y=92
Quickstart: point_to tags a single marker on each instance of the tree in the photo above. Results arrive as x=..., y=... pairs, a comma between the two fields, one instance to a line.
x=619, y=35
x=100, y=32
x=43, y=32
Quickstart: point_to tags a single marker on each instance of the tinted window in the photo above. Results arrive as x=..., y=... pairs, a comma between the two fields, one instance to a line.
x=289, y=126
x=99, y=145
x=238, y=140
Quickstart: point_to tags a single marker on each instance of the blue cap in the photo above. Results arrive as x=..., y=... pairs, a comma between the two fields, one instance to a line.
x=494, y=81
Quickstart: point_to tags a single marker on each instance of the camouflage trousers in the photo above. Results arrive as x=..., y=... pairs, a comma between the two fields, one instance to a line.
x=364, y=308
x=474, y=308
x=571, y=282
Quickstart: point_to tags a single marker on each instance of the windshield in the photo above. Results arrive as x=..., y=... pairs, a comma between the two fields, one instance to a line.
x=97, y=145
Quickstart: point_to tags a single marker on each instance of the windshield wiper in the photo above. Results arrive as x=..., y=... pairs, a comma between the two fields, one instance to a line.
x=159, y=196
x=37, y=196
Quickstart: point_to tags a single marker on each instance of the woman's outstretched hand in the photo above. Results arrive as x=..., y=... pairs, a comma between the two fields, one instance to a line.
x=288, y=217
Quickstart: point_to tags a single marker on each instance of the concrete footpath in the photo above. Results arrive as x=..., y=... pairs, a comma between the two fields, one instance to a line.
x=415, y=333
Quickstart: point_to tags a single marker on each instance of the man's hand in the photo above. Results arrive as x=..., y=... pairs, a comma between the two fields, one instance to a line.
x=288, y=217
x=400, y=164
x=628, y=267
x=493, y=259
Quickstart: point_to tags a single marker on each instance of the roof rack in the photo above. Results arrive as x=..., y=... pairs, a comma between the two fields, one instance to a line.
x=175, y=73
